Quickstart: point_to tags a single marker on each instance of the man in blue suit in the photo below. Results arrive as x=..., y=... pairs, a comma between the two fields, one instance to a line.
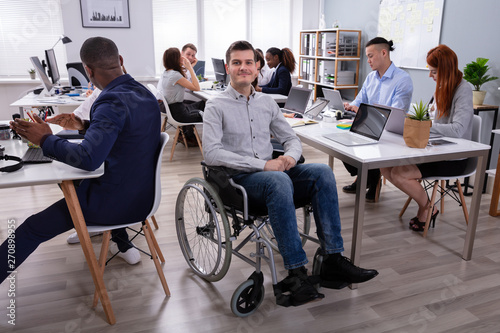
x=123, y=133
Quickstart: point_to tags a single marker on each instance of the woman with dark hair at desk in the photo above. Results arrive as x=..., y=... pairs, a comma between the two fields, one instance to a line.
x=173, y=85
x=281, y=81
x=453, y=118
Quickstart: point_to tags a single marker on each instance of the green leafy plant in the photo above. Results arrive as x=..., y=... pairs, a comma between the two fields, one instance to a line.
x=31, y=71
x=420, y=112
x=475, y=73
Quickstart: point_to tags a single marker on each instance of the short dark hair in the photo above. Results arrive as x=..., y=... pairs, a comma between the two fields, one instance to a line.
x=189, y=46
x=240, y=45
x=100, y=52
x=381, y=40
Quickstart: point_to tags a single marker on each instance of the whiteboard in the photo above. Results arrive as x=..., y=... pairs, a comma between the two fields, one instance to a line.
x=414, y=26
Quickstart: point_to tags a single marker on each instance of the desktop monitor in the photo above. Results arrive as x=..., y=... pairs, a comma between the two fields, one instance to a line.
x=52, y=69
x=76, y=75
x=47, y=85
x=220, y=71
x=199, y=68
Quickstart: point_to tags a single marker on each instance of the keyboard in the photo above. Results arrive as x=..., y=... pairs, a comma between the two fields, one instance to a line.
x=349, y=139
x=35, y=155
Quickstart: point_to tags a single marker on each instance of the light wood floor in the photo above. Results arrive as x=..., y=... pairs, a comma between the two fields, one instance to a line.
x=423, y=285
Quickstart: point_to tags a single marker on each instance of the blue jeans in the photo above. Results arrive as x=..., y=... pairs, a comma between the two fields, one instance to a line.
x=277, y=190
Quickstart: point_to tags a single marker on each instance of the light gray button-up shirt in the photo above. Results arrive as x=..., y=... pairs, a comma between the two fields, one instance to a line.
x=237, y=131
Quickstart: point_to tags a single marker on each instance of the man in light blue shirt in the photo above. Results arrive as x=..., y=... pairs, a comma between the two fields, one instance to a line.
x=386, y=85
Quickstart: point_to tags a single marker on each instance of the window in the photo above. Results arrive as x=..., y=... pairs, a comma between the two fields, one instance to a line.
x=29, y=27
x=212, y=25
x=175, y=24
x=265, y=34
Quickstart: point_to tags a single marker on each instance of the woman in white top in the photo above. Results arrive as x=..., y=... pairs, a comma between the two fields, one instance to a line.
x=174, y=83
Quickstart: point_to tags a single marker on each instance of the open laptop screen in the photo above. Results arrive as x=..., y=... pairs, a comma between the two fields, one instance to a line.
x=370, y=121
x=297, y=99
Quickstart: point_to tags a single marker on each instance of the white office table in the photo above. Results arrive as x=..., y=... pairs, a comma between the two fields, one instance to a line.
x=63, y=174
x=207, y=94
x=392, y=151
x=64, y=103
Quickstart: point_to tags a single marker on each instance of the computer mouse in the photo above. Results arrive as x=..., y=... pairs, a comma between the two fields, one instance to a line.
x=298, y=116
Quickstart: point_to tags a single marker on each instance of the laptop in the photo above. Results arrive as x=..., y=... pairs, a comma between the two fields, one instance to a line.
x=297, y=100
x=335, y=99
x=396, y=122
x=367, y=126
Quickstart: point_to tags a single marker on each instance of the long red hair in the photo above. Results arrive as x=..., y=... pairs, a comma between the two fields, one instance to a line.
x=448, y=76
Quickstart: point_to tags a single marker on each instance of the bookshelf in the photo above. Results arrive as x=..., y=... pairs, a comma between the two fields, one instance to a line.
x=329, y=58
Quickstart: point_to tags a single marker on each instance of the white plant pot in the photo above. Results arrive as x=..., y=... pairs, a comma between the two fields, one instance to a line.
x=478, y=97
x=33, y=76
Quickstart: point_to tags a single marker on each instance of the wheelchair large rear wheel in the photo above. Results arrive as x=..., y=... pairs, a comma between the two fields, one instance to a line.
x=203, y=230
x=303, y=223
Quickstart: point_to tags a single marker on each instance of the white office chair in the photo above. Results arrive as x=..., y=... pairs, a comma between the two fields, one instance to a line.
x=434, y=182
x=176, y=124
x=158, y=95
x=154, y=249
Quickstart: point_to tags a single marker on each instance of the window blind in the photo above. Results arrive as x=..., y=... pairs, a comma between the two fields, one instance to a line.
x=28, y=28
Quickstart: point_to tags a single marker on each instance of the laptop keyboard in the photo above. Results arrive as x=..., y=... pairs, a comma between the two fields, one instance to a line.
x=349, y=139
x=35, y=155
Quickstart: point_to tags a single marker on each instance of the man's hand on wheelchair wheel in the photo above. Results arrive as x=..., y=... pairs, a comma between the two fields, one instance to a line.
x=282, y=163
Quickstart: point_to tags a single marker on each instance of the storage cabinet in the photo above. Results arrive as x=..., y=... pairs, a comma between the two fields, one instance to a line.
x=329, y=58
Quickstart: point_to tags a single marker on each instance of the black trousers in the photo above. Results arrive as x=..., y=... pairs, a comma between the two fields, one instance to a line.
x=373, y=175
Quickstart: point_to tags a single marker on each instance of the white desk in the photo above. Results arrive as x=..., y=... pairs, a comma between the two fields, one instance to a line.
x=207, y=94
x=60, y=173
x=64, y=103
x=392, y=151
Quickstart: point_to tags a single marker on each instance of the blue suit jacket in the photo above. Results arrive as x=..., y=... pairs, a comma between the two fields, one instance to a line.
x=124, y=133
x=281, y=82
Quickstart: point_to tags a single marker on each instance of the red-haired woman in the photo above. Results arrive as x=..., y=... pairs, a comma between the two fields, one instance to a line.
x=453, y=118
x=281, y=81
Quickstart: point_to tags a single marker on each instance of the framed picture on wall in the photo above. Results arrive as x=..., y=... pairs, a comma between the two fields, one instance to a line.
x=105, y=13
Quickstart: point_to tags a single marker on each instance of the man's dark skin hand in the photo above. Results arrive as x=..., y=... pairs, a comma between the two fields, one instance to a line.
x=32, y=131
x=67, y=120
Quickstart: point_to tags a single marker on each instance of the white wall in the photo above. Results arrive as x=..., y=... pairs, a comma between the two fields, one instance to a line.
x=135, y=44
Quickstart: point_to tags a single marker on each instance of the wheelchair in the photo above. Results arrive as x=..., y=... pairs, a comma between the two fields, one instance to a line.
x=205, y=233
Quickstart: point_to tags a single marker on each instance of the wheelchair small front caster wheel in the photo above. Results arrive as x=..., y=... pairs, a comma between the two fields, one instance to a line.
x=242, y=304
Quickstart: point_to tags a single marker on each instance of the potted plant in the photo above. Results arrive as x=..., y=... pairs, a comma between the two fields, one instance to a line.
x=417, y=126
x=32, y=73
x=475, y=73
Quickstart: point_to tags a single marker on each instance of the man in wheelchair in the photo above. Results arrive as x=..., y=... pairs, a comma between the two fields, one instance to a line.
x=237, y=127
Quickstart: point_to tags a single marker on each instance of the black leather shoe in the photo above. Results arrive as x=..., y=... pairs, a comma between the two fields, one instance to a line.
x=338, y=272
x=296, y=289
x=350, y=188
x=370, y=195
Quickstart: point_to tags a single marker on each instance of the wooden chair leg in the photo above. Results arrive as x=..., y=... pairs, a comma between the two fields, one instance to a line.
x=148, y=233
x=198, y=139
x=164, y=124
x=405, y=206
x=462, y=201
x=403, y=210
x=429, y=213
x=155, y=243
x=154, y=222
x=379, y=188
x=106, y=237
x=175, y=142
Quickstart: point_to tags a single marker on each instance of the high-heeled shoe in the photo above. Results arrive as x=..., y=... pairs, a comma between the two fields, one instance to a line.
x=417, y=225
